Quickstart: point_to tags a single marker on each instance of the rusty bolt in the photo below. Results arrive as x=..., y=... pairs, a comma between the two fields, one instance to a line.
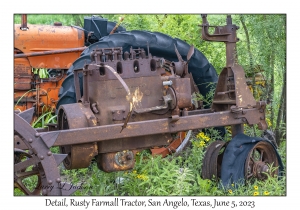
x=49, y=182
x=42, y=157
x=30, y=140
x=260, y=126
x=37, y=134
x=244, y=120
x=49, y=153
x=262, y=118
x=58, y=180
x=261, y=110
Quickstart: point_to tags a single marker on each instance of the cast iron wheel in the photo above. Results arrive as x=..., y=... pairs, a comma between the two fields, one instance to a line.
x=160, y=45
x=63, y=125
x=261, y=158
x=211, y=168
x=38, y=161
x=28, y=179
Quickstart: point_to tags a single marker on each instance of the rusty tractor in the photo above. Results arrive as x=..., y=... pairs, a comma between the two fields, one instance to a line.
x=121, y=98
x=52, y=48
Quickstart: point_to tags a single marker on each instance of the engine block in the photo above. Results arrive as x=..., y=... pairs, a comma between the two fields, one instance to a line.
x=119, y=90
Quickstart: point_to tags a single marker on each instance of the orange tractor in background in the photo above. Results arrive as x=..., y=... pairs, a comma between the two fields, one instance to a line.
x=44, y=53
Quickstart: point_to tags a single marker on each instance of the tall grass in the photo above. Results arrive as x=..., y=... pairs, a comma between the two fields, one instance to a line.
x=178, y=176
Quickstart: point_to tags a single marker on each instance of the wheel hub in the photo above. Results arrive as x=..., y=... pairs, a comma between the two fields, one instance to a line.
x=259, y=170
x=259, y=161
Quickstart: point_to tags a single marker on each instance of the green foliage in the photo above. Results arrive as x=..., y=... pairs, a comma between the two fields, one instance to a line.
x=26, y=93
x=42, y=72
x=156, y=176
x=46, y=19
x=208, y=98
x=173, y=175
x=45, y=118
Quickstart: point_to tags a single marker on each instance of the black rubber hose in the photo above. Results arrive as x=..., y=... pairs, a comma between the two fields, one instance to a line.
x=160, y=45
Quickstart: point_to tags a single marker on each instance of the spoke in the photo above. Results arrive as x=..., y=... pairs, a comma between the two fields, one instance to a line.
x=26, y=174
x=22, y=187
x=249, y=175
x=252, y=159
x=25, y=164
x=261, y=155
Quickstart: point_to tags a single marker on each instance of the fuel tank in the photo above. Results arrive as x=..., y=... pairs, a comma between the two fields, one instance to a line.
x=39, y=38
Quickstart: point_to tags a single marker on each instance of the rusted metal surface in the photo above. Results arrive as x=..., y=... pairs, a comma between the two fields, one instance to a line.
x=211, y=168
x=182, y=87
x=74, y=116
x=259, y=160
x=117, y=161
x=41, y=38
x=22, y=74
x=44, y=94
x=231, y=88
x=50, y=52
x=140, y=75
x=151, y=127
x=131, y=143
x=24, y=23
x=173, y=147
